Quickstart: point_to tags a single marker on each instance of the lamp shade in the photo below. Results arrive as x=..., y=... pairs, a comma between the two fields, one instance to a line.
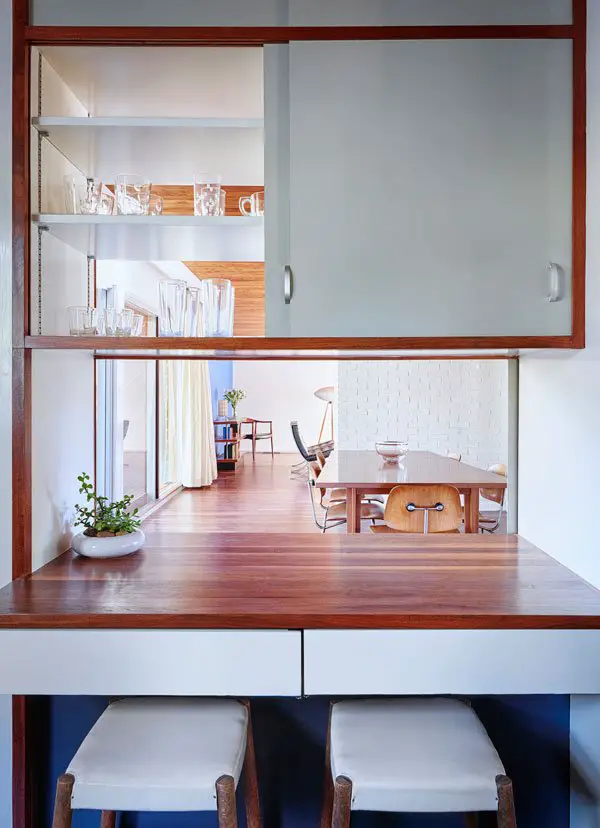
x=326, y=393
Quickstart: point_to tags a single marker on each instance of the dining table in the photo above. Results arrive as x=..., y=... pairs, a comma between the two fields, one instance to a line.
x=365, y=472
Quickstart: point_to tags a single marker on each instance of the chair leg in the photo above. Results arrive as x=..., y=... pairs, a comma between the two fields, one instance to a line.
x=272, y=447
x=62, y=802
x=327, y=809
x=253, y=817
x=108, y=819
x=253, y=448
x=342, y=799
x=226, y=802
x=506, y=803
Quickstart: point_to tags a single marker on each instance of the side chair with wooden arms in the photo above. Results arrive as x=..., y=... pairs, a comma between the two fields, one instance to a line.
x=335, y=510
x=255, y=434
x=422, y=510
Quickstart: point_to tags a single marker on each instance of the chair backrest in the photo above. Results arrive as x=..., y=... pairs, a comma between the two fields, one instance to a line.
x=419, y=509
x=495, y=495
x=300, y=442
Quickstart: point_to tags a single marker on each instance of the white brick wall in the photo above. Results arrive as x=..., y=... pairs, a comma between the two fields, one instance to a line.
x=446, y=405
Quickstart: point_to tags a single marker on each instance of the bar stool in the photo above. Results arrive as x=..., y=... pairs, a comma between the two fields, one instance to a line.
x=412, y=755
x=163, y=754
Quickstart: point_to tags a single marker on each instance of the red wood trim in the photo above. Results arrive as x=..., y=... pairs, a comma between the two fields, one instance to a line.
x=290, y=345
x=260, y=35
x=579, y=173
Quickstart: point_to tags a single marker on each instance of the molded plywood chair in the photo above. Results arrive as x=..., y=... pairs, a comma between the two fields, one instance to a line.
x=335, y=510
x=163, y=755
x=411, y=755
x=489, y=523
x=422, y=509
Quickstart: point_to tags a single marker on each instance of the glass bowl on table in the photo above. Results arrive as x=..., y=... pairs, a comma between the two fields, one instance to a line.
x=392, y=451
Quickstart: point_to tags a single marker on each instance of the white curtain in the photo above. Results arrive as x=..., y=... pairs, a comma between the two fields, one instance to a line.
x=197, y=457
x=170, y=382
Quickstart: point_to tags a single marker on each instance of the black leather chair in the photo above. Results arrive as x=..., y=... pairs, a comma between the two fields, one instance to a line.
x=309, y=452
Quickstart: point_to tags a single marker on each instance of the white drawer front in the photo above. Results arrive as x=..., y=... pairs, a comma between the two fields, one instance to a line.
x=389, y=662
x=151, y=662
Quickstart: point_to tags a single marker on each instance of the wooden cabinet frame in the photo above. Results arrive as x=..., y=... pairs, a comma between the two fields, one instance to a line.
x=26, y=710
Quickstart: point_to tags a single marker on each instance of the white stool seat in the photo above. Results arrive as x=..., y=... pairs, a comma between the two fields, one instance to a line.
x=414, y=755
x=159, y=755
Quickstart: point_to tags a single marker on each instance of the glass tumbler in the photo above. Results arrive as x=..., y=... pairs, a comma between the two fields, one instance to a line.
x=194, y=311
x=137, y=325
x=83, y=321
x=133, y=195
x=82, y=196
x=255, y=203
x=155, y=206
x=107, y=323
x=219, y=297
x=207, y=194
x=172, y=299
x=124, y=322
x=222, y=202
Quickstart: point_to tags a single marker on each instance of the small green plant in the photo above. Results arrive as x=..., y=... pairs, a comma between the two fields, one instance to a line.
x=234, y=398
x=102, y=518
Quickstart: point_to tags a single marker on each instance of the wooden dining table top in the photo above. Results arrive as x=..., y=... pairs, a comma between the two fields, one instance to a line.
x=186, y=580
x=363, y=468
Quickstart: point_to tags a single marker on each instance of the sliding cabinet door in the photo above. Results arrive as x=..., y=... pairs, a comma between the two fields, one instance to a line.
x=429, y=188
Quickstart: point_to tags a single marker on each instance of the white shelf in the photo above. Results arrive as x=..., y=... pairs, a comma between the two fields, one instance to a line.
x=99, y=146
x=49, y=123
x=160, y=238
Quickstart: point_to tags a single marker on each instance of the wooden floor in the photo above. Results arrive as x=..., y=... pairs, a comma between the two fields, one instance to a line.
x=257, y=497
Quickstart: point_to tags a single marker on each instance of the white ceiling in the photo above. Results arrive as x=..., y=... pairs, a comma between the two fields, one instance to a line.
x=163, y=81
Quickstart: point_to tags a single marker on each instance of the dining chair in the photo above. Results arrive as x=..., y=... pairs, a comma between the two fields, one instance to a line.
x=255, y=434
x=338, y=494
x=163, y=754
x=335, y=510
x=422, y=510
x=412, y=755
x=308, y=453
x=489, y=523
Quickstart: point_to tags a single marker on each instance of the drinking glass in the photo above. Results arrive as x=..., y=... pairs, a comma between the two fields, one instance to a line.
x=106, y=204
x=155, y=206
x=133, y=195
x=222, y=202
x=83, y=321
x=256, y=203
x=172, y=298
x=137, y=325
x=207, y=194
x=219, y=298
x=107, y=323
x=124, y=322
x=194, y=311
x=82, y=197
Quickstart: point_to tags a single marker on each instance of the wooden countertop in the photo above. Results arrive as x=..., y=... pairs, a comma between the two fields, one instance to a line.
x=304, y=581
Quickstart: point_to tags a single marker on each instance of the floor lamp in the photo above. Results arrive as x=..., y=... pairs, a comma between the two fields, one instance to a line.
x=326, y=394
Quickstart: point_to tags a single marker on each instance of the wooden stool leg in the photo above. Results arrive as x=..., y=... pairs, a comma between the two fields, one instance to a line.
x=327, y=809
x=253, y=817
x=62, y=802
x=342, y=799
x=226, y=802
x=108, y=819
x=506, y=803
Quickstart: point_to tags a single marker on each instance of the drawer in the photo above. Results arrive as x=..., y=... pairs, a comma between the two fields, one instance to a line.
x=151, y=662
x=390, y=662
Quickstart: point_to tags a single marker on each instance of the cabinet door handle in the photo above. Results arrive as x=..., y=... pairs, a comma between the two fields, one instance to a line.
x=288, y=284
x=555, y=282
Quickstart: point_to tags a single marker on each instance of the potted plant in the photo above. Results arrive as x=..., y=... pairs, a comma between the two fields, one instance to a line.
x=111, y=530
x=234, y=398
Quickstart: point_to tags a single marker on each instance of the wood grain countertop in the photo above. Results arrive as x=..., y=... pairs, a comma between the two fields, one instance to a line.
x=307, y=581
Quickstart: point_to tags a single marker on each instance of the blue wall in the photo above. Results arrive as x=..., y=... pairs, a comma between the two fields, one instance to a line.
x=531, y=734
x=221, y=379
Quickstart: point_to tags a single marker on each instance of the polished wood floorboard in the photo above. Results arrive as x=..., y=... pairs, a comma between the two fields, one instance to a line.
x=257, y=497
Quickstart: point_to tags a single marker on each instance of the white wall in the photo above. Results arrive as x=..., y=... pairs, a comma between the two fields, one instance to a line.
x=284, y=391
x=559, y=422
x=5, y=377
x=447, y=405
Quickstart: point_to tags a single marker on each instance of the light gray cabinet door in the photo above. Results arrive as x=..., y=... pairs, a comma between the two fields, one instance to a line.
x=429, y=188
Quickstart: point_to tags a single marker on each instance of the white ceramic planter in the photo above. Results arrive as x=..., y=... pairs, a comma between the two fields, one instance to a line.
x=115, y=546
